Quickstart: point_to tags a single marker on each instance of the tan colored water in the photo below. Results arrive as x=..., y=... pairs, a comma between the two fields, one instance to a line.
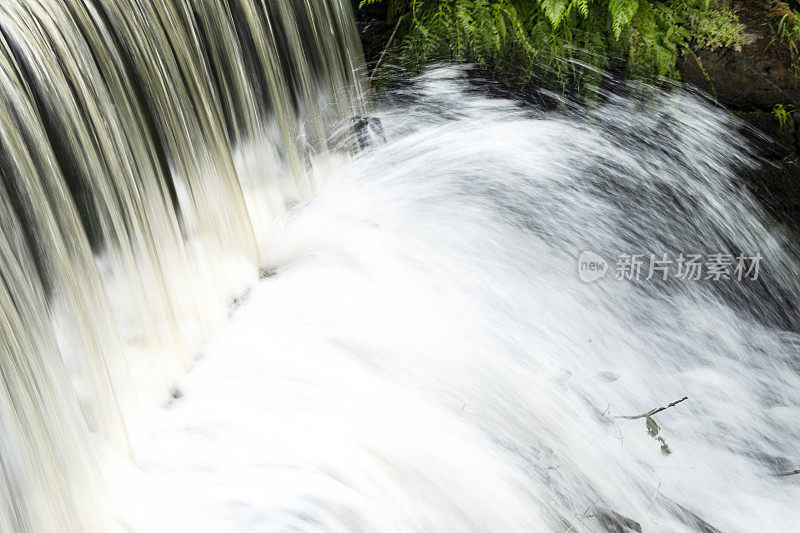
x=145, y=148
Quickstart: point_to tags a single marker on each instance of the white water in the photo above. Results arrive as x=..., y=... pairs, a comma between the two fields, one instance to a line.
x=427, y=359
x=132, y=206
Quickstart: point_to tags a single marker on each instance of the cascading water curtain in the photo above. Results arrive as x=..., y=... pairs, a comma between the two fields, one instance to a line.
x=144, y=147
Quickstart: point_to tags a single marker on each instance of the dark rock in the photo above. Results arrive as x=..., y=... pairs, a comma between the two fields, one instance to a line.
x=775, y=182
x=369, y=131
x=750, y=81
x=755, y=76
x=777, y=141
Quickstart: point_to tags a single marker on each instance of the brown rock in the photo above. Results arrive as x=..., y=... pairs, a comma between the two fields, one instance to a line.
x=760, y=74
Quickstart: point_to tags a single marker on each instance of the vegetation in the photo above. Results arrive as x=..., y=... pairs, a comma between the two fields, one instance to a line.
x=653, y=430
x=789, y=32
x=575, y=38
x=783, y=113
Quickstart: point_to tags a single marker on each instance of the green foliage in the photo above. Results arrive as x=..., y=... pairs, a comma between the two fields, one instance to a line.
x=789, y=32
x=783, y=113
x=653, y=430
x=622, y=13
x=576, y=38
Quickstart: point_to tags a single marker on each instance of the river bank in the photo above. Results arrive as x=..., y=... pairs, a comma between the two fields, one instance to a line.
x=752, y=81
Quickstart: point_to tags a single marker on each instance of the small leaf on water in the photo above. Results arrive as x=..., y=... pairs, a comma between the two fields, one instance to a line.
x=652, y=427
x=664, y=447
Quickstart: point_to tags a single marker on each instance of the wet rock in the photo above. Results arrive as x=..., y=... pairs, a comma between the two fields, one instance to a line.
x=750, y=81
x=755, y=76
x=777, y=140
x=369, y=131
x=775, y=182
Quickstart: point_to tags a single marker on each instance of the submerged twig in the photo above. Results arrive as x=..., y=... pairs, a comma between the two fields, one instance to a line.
x=654, y=411
x=786, y=474
x=386, y=50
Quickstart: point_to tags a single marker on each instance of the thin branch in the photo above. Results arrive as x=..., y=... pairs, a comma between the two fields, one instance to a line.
x=386, y=50
x=786, y=474
x=654, y=411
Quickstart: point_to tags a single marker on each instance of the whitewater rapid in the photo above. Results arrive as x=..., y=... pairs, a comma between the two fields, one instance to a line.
x=423, y=355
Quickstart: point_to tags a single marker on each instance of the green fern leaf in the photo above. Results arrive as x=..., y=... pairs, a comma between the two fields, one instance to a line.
x=622, y=13
x=555, y=10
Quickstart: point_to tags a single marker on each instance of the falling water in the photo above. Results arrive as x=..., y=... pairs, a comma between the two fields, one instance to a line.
x=421, y=353
x=426, y=357
x=145, y=148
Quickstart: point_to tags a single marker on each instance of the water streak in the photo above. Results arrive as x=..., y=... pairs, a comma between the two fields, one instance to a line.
x=145, y=148
x=426, y=357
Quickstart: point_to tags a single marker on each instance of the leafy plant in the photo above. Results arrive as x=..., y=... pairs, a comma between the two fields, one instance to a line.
x=575, y=38
x=653, y=430
x=783, y=113
x=789, y=32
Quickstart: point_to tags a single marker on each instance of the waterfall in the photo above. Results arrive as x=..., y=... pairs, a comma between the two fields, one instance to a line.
x=145, y=149
x=426, y=356
x=236, y=296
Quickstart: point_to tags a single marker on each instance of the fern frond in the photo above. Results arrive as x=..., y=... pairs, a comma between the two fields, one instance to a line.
x=574, y=38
